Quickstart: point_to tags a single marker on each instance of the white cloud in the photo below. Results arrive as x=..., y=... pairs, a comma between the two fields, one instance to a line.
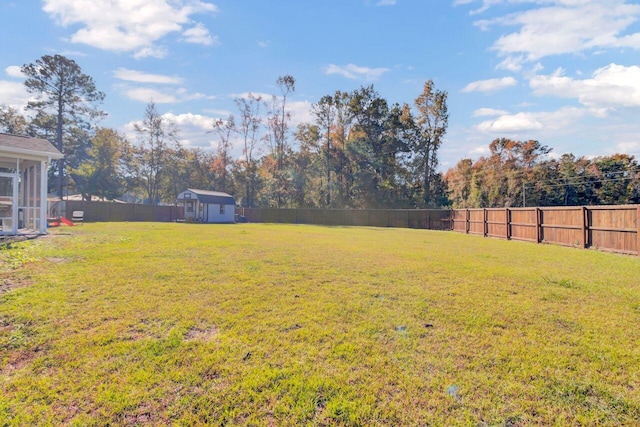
x=151, y=52
x=386, y=3
x=217, y=112
x=200, y=35
x=480, y=150
x=13, y=94
x=510, y=123
x=523, y=122
x=263, y=44
x=197, y=120
x=627, y=147
x=183, y=95
x=564, y=27
x=300, y=112
x=125, y=25
x=192, y=129
x=491, y=85
x=511, y=63
x=245, y=95
x=486, y=4
x=537, y=68
x=352, y=71
x=71, y=53
x=164, y=96
x=14, y=71
x=610, y=87
x=460, y=2
x=142, y=77
x=489, y=112
x=147, y=94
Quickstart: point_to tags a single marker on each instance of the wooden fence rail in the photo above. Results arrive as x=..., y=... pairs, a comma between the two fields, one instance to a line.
x=608, y=228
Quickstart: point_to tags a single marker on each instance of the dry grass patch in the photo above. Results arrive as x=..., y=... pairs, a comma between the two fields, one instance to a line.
x=7, y=284
x=199, y=333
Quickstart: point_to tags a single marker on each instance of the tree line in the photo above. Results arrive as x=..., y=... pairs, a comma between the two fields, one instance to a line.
x=522, y=173
x=358, y=151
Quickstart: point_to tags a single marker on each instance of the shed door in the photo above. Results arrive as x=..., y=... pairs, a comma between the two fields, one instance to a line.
x=213, y=215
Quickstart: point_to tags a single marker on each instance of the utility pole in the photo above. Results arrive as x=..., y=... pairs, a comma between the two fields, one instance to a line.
x=524, y=196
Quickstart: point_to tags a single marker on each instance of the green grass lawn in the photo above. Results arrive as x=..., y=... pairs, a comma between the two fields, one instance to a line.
x=155, y=324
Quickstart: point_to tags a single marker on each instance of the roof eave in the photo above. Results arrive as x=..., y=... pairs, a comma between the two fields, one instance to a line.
x=40, y=154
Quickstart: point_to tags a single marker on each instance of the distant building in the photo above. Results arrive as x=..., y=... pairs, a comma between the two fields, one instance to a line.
x=207, y=206
x=24, y=162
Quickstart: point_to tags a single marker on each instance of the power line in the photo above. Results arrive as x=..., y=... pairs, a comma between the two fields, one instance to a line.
x=582, y=182
x=595, y=175
x=566, y=184
x=564, y=180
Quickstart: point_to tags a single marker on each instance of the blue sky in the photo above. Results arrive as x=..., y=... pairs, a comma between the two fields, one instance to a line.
x=564, y=72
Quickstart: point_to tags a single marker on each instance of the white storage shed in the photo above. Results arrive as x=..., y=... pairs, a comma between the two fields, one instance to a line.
x=207, y=206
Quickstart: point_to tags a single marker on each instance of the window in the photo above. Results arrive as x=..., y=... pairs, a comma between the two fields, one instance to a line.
x=189, y=206
x=221, y=209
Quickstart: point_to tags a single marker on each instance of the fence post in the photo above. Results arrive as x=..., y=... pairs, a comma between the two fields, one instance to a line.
x=507, y=224
x=585, y=227
x=485, y=221
x=452, y=225
x=538, y=214
x=467, y=222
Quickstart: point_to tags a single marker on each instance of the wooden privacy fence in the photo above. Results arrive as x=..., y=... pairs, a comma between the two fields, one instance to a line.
x=109, y=211
x=432, y=219
x=609, y=228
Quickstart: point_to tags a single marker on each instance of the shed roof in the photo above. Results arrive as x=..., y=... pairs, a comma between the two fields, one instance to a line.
x=214, y=197
x=19, y=144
